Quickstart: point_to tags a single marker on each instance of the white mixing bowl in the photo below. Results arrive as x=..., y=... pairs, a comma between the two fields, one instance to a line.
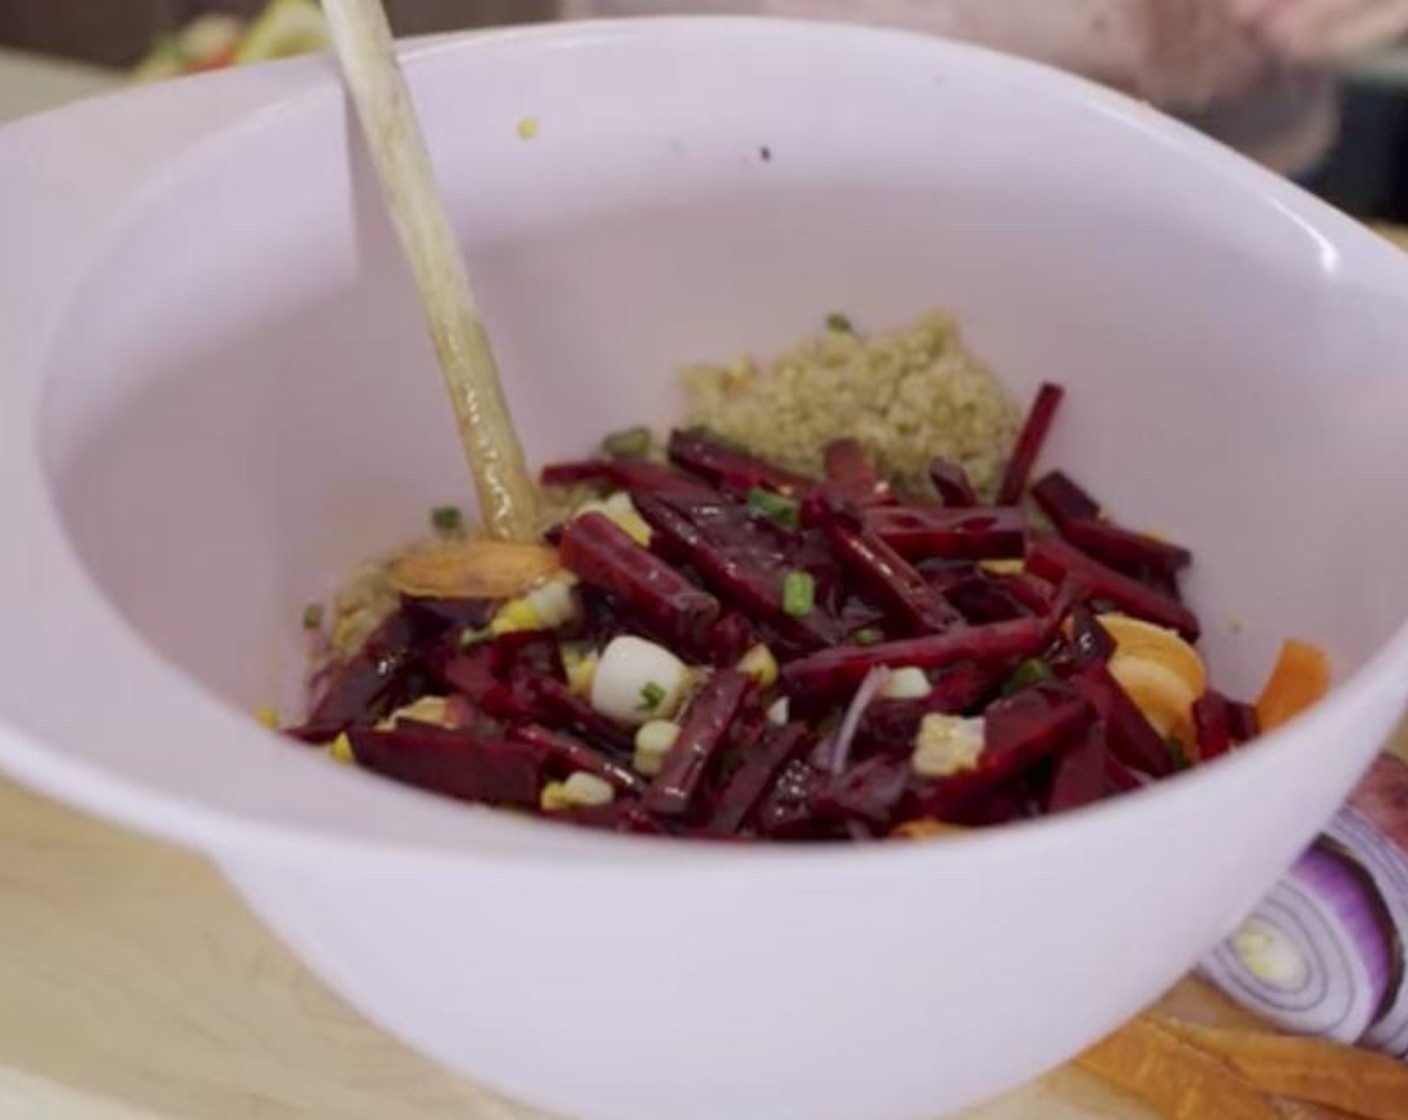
x=217, y=395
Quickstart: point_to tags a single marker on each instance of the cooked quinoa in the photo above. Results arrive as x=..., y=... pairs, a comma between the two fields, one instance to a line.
x=908, y=396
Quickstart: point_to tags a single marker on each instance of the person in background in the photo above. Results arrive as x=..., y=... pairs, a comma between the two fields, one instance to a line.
x=1256, y=74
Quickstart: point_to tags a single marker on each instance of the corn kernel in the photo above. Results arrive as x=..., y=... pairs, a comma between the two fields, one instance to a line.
x=587, y=790
x=553, y=798
x=622, y=511
x=653, y=743
x=760, y=664
x=924, y=828
x=340, y=750
x=581, y=671
x=428, y=709
x=947, y=745
x=515, y=615
x=1003, y=567
x=908, y=683
x=580, y=791
x=268, y=715
x=553, y=602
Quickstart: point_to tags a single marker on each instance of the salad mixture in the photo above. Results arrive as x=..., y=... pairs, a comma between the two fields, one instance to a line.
x=710, y=644
x=824, y=642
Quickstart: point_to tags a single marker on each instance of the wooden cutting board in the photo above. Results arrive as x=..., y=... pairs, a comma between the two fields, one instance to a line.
x=134, y=985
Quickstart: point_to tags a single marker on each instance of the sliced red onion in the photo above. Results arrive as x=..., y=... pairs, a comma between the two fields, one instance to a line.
x=1313, y=958
x=1373, y=829
x=869, y=689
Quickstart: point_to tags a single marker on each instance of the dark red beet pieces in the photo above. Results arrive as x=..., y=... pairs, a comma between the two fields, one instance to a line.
x=889, y=577
x=1082, y=774
x=602, y=553
x=723, y=546
x=1211, y=719
x=1132, y=738
x=1019, y=731
x=835, y=671
x=1124, y=550
x=370, y=685
x=572, y=754
x=1033, y=435
x=633, y=475
x=453, y=763
x=837, y=577
x=982, y=533
x=1057, y=560
x=852, y=471
x=702, y=733
x=753, y=777
x=1063, y=501
x=954, y=487
x=730, y=469
x=869, y=792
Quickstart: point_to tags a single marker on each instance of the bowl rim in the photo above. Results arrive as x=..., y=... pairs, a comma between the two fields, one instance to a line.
x=74, y=227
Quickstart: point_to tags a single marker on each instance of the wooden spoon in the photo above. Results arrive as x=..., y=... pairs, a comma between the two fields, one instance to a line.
x=507, y=497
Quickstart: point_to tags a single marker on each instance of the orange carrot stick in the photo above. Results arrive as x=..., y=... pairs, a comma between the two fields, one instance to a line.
x=1300, y=678
x=1357, y=1081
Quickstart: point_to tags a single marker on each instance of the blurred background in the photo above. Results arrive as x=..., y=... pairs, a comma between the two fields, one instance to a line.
x=118, y=32
x=1353, y=147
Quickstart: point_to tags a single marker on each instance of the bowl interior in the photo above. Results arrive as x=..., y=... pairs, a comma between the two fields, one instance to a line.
x=241, y=404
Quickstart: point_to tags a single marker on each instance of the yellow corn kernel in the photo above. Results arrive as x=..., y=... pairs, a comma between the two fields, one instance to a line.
x=580, y=791
x=516, y=614
x=924, y=828
x=428, y=709
x=340, y=750
x=635, y=526
x=1003, y=567
x=760, y=664
x=947, y=745
x=581, y=672
x=268, y=715
x=653, y=743
x=553, y=798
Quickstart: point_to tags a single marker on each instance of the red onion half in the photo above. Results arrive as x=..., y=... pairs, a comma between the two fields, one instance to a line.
x=1314, y=957
x=1374, y=830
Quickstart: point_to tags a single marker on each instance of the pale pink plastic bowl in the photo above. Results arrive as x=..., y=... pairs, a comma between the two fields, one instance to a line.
x=217, y=396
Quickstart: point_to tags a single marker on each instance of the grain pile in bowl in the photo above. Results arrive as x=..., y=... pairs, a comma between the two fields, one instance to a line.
x=908, y=395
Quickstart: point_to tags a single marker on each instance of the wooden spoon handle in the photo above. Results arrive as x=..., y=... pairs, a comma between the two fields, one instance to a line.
x=507, y=496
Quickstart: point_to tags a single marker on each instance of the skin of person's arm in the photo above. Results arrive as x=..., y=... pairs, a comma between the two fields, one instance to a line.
x=1185, y=52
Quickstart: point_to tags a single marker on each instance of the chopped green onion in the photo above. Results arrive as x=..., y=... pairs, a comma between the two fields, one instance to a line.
x=651, y=696
x=774, y=505
x=632, y=443
x=1029, y=672
x=839, y=323
x=313, y=616
x=870, y=636
x=447, y=519
x=1179, y=753
x=798, y=593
